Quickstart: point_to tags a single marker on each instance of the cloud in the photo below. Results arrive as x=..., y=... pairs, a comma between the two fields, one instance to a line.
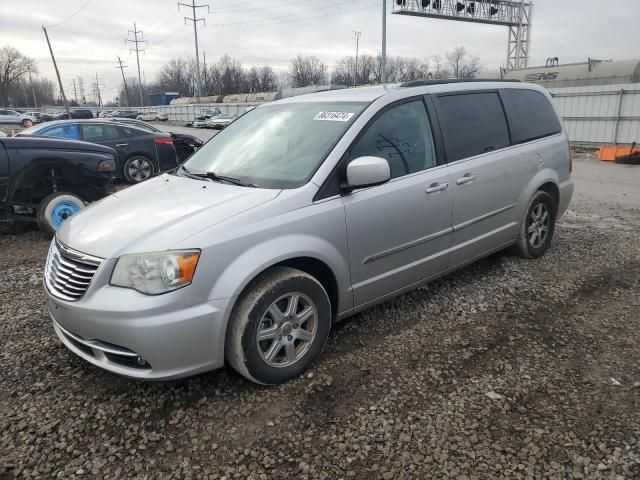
x=259, y=32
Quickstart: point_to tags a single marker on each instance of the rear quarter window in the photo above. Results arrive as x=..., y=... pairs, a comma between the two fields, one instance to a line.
x=530, y=115
x=473, y=124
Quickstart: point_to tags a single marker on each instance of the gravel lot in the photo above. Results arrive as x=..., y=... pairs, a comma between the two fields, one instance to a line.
x=507, y=369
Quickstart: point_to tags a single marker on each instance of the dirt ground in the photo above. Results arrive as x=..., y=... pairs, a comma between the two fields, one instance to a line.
x=508, y=369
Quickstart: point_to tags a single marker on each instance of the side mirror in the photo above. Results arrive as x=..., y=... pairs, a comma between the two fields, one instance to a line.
x=367, y=172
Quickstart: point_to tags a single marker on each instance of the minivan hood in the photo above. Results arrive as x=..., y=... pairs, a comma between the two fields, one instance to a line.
x=157, y=214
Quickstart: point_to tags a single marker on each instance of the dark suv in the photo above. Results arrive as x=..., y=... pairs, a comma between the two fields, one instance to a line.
x=75, y=113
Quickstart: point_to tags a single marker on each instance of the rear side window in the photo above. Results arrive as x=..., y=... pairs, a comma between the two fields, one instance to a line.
x=402, y=135
x=99, y=132
x=530, y=115
x=473, y=123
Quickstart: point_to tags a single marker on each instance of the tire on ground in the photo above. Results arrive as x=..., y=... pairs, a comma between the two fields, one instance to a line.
x=524, y=247
x=241, y=345
x=55, y=209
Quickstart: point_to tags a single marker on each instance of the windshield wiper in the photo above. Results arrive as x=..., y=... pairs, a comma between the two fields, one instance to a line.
x=219, y=178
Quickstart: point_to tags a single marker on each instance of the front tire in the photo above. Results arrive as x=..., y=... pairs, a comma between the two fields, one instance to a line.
x=279, y=326
x=26, y=123
x=137, y=168
x=537, y=227
x=57, y=208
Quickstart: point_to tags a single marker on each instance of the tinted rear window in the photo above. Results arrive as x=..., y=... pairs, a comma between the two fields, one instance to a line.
x=530, y=115
x=473, y=123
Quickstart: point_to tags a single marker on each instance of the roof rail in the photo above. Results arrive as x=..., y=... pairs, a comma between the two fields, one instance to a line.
x=424, y=83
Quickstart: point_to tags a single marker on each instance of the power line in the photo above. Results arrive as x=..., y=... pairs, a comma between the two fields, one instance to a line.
x=195, y=21
x=135, y=41
x=242, y=25
x=288, y=15
x=70, y=16
x=164, y=12
x=269, y=7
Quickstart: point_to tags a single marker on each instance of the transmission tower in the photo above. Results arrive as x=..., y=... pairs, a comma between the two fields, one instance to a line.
x=124, y=80
x=195, y=21
x=517, y=15
x=135, y=32
x=95, y=90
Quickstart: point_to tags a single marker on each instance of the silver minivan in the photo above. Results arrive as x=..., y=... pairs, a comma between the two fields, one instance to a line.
x=301, y=213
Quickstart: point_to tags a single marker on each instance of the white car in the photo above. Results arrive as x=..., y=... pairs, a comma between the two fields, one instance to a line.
x=219, y=121
x=17, y=118
x=153, y=116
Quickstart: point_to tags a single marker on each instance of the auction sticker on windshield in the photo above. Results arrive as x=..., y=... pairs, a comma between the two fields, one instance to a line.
x=334, y=116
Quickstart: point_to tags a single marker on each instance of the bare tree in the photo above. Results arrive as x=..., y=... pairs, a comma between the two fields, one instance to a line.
x=462, y=65
x=14, y=66
x=305, y=71
x=268, y=80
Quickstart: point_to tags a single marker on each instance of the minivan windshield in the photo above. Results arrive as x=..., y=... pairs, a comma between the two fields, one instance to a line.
x=276, y=146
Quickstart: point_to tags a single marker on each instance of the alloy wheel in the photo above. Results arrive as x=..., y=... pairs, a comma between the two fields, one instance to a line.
x=139, y=169
x=538, y=225
x=287, y=330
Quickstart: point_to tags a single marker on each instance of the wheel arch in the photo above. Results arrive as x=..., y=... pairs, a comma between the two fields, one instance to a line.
x=546, y=180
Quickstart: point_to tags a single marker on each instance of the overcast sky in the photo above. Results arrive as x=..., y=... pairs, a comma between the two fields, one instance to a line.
x=260, y=32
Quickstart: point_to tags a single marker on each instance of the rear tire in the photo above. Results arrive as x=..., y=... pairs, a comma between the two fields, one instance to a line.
x=57, y=208
x=279, y=326
x=137, y=168
x=26, y=123
x=537, y=227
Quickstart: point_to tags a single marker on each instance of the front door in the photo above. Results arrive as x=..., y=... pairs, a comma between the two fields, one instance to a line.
x=399, y=232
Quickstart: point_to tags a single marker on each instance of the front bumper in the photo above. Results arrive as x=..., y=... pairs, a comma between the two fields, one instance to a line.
x=145, y=343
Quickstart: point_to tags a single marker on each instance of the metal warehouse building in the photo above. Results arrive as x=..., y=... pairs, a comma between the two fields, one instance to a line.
x=599, y=100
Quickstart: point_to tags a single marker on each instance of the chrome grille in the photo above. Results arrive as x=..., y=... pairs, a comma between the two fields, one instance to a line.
x=68, y=273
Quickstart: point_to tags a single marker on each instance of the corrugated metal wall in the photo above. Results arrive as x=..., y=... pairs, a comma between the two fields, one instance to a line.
x=605, y=114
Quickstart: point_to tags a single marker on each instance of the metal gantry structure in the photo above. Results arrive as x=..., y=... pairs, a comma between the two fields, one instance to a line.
x=516, y=15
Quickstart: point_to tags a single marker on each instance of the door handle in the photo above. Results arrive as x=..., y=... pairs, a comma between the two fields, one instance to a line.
x=121, y=144
x=467, y=179
x=436, y=188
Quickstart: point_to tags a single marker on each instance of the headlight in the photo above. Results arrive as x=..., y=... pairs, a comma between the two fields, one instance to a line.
x=156, y=273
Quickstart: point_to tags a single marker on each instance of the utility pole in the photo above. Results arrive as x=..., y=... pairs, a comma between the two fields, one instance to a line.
x=75, y=92
x=356, y=34
x=83, y=99
x=135, y=40
x=55, y=66
x=383, y=60
x=126, y=89
x=204, y=70
x=33, y=91
x=195, y=21
x=96, y=91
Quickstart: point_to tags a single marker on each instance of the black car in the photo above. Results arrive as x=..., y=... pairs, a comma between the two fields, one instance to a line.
x=185, y=144
x=46, y=180
x=76, y=113
x=141, y=153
